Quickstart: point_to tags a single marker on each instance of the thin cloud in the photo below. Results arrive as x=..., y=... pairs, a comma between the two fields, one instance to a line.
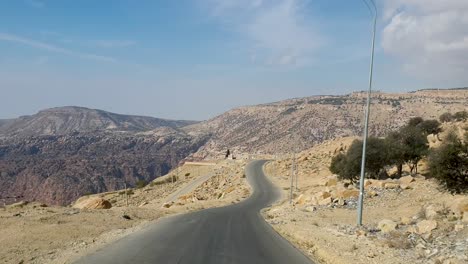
x=430, y=37
x=35, y=3
x=276, y=31
x=52, y=48
x=114, y=43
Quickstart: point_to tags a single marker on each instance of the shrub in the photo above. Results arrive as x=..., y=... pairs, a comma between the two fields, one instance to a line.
x=141, y=183
x=446, y=117
x=449, y=164
x=187, y=174
x=461, y=116
x=430, y=127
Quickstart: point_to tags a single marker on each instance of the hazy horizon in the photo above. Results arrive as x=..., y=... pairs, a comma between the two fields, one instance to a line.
x=195, y=59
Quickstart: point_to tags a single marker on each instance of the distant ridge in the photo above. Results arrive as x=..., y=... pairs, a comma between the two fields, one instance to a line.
x=63, y=120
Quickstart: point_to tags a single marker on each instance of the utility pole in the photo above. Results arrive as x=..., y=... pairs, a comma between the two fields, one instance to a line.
x=366, y=117
x=126, y=193
x=292, y=178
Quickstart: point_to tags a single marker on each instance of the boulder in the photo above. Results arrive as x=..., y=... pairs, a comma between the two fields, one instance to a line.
x=325, y=201
x=406, y=180
x=92, y=203
x=387, y=226
x=431, y=212
x=459, y=206
x=391, y=185
x=323, y=195
x=311, y=209
x=331, y=181
x=426, y=226
x=465, y=217
x=406, y=221
x=346, y=194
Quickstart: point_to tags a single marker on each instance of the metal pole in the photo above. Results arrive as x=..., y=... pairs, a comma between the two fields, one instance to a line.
x=126, y=193
x=366, y=122
x=297, y=175
x=292, y=179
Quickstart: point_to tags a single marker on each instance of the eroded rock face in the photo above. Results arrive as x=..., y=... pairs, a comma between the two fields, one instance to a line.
x=59, y=169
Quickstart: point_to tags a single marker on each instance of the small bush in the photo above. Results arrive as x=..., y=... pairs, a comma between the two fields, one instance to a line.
x=141, y=183
x=461, y=116
x=449, y=164
x=446, y=117
x=187, y=174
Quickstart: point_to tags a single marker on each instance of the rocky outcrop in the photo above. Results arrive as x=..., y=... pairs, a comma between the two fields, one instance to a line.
x=58, y=169
x=92, y=203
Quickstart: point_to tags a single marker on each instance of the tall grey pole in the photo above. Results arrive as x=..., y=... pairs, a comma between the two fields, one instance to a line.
x=292, y=178
x=366, y=122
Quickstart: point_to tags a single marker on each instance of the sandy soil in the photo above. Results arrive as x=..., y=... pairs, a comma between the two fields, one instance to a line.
x=35, y=233
x=327, y=232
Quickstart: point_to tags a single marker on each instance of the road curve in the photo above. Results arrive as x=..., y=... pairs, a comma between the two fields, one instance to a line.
x=231, y=234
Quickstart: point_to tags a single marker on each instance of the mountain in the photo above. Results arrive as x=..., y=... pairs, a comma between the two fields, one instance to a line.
x=60, y=154
x=298, y=124
x=63, y=153
x=63, y=120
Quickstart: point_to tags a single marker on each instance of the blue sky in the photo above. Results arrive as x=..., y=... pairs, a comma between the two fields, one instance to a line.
x=194, y=59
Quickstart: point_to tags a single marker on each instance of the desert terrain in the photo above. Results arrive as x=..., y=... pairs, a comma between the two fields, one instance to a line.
x=406, y=220
x=37, y=233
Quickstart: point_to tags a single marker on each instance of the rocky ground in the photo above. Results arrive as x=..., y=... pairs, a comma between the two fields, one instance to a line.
x=37, y=233
x=407, y=220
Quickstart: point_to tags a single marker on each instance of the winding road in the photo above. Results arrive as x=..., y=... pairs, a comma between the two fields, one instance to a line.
x=231, y=234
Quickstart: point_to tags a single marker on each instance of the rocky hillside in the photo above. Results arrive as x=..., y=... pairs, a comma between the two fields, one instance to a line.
x=57, y=169
x=63, y=120
x=298, y=124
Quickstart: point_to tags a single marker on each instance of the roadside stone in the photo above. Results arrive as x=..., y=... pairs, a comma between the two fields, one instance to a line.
x=406, y=180
x=405, y=186
x=391, y=185
x=387, y=226
x=326, y=201
x=458, y=228
x=406, y=221
x=346, y=194
x=426, y=226
x=371, y=193
x=332, y=181
x=459, y=206
x=431, y=212
x=323, y=195
x=465, y=217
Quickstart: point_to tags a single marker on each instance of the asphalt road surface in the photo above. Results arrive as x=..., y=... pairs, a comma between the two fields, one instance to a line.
x=231, y=234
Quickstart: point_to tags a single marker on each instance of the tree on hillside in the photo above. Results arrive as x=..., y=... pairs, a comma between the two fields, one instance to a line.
x=415, y=121
x=449, y=163
x=430, y=127
x=416, y=146
x=348, y=166
x=396, y=150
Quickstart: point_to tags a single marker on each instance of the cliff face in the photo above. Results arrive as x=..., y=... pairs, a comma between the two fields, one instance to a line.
x=298, y=124
x=58, y=169
x=63, y=120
